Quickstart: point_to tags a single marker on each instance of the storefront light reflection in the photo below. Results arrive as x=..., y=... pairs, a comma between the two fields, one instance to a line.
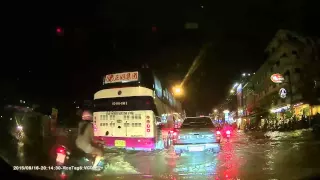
x=224, y=165
x=195, y=167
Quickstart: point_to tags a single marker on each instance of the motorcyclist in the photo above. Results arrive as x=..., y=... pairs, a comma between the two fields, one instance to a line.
x=84, y=141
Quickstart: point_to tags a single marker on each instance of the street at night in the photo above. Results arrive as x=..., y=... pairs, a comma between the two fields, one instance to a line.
x=156, y=90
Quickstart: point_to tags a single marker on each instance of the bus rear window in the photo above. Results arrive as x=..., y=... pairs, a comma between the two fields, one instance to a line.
x=124, y=104
x=197, y=123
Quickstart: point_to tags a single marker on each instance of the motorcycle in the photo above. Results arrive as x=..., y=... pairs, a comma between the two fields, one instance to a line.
x=69, y=164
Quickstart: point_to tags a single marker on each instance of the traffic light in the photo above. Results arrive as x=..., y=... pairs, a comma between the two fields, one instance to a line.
x=59, y=31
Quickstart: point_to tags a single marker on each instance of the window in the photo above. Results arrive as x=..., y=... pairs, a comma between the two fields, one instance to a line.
x=284, y=55
x=197, y=123
x=158, y=87
x=292, y=38
x=287, y=73
x=297, y=70
x=294, y=52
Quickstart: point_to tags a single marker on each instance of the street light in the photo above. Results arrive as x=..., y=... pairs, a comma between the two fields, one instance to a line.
x=177, y=90
x=215, y=110
x=235, y=85
x=232, y=91
x=226, y=111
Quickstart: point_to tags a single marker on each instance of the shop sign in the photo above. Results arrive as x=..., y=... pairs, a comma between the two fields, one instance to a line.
x=277, y=78
x=283, y=93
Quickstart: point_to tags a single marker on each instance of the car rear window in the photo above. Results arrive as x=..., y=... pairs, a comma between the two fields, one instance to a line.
x=197, y=123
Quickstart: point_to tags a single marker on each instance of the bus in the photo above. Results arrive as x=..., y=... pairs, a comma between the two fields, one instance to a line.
x=128, y=107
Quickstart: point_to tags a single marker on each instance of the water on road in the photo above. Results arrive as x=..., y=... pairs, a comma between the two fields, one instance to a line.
x=256, y=155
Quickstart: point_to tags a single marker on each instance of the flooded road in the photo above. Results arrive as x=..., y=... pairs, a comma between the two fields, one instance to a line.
x=272, y=155
x=256, y=155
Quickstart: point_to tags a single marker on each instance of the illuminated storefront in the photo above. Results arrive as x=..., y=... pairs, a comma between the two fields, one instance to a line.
x=299, y=110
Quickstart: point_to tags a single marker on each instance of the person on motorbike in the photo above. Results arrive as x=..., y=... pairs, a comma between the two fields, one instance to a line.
x=85, y=141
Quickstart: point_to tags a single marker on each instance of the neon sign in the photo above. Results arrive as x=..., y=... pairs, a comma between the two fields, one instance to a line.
x=283, y=93
x=277, y=78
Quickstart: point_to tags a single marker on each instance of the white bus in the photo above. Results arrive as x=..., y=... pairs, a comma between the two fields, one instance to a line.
x=128, y=107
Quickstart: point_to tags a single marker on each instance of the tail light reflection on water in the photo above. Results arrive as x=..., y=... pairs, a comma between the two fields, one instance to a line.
x=228, y=162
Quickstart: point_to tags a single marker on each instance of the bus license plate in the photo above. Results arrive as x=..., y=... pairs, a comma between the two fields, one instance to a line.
x=60, y=158
x=120, y=143
x=195, y=148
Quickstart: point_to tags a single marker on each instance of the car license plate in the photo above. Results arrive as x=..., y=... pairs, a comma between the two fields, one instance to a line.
x=60, y=158
x=228, y=135
x=120, y=143
x=195, y=148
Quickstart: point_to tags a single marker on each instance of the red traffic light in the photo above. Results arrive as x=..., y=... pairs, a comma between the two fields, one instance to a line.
x=59, y=31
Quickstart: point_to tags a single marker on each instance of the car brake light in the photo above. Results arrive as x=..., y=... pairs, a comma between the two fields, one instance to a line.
x=175, y=133
x=218, y=132
x=228, y=132
x=61, y=150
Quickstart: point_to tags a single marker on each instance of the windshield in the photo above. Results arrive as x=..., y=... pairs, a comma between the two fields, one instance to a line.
x=197, y=123
x=197, y=89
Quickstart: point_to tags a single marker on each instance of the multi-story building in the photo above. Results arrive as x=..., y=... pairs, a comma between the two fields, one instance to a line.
x=292, y=57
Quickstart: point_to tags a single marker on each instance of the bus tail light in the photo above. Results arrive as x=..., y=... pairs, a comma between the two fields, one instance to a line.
x=61, y=150
x=61, y=155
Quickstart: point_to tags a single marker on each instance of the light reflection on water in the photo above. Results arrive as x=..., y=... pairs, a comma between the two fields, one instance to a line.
x=279, y=155
x=21, y=153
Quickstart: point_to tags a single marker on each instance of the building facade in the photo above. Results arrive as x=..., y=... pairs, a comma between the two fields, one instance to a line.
x=293, y=58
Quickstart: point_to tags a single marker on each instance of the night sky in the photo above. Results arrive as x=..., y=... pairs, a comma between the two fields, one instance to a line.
x=97, y=38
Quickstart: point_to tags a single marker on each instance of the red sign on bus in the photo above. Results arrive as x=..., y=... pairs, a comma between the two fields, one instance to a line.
x=121, y=77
